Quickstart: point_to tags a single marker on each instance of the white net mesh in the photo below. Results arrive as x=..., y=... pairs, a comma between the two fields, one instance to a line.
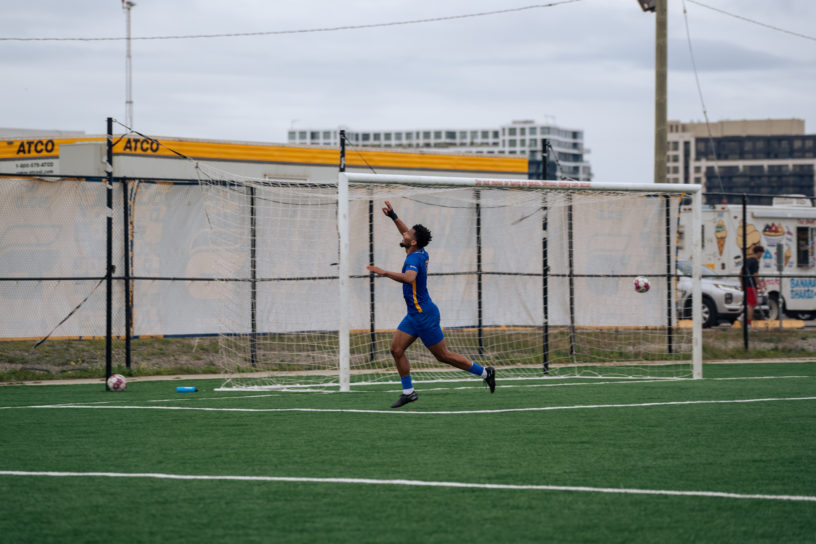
x=500, y=261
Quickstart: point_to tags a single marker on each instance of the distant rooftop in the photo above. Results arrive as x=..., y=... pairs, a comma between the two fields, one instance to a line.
x=744, y=127
x=35, y=132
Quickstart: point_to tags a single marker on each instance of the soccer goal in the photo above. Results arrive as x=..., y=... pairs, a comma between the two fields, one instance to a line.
x=532, y=277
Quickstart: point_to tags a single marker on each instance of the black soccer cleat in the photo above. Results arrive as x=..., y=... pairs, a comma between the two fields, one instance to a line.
x=405, y=399
x=490, y=379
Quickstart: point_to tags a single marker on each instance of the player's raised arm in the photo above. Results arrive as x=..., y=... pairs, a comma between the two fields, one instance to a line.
x=389, y=211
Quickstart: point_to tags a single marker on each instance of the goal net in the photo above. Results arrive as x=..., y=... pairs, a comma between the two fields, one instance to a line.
x=534, y=278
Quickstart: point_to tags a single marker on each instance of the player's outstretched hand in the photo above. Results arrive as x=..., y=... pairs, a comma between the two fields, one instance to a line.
x=388, y=209
x=375, y=270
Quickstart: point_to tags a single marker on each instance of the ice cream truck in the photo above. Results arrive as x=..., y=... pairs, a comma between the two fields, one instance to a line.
x=787, y=231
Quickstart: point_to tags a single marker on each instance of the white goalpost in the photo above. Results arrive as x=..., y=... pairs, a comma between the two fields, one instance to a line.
x=531, y=277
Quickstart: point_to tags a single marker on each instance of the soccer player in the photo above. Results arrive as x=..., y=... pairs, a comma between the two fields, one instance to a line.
x=422, y=320
x=750, y=282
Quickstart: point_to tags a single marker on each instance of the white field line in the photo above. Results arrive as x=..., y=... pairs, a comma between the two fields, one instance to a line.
x=472, y=385
x=175, y=399
x=189, y=398
x=583, y=384
x=418, y=483
x=757, y=378
x=412, y=412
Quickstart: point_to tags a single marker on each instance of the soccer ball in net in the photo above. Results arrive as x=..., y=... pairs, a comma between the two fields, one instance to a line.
x=117, y=382
x=641, y=284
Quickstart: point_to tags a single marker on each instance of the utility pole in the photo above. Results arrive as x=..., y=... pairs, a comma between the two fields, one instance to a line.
x=661, y=61
x=127, y=5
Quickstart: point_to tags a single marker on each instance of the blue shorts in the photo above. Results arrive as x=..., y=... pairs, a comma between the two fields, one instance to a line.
x=424, y=325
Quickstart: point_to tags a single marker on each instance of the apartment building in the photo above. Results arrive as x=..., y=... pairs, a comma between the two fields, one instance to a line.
x=517, y=138
x=760, y=157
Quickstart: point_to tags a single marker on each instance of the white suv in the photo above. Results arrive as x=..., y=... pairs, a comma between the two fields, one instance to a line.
x=722, y=297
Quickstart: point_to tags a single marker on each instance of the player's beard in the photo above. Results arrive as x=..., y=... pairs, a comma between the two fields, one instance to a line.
x=403, y=244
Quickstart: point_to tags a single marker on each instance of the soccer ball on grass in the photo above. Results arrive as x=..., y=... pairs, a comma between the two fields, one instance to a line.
x=117, y=382
x=641, y=284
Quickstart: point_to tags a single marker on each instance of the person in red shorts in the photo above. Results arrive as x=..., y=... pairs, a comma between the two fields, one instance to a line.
x=750, y=282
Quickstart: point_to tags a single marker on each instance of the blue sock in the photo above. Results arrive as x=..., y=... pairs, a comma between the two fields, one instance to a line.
x=476, y=369
x=407, y=386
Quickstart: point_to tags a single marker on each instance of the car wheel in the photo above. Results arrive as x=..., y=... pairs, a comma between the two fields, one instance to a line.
x=710, y=317
x=805, y=316
x=773, y=308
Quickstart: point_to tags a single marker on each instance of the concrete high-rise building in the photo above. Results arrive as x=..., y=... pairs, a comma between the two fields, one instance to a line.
x=758, y=157
x=518, y=138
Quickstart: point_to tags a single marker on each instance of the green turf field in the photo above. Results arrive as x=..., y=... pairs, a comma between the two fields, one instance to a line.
x=731, y=458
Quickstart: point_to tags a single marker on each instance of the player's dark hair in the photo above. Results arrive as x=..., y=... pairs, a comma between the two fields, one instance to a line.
x=422, y=236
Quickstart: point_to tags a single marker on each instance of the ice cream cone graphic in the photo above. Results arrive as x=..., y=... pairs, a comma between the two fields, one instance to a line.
x=752, y=237
x=720, y=234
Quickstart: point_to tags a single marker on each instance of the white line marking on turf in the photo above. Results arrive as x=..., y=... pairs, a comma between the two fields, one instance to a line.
x=583, y=384
x=415, y=412
x=418, y=483
x=180, y=399
x=757, y=378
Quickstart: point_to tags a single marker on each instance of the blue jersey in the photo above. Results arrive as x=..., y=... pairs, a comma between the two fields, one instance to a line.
x=416, y=293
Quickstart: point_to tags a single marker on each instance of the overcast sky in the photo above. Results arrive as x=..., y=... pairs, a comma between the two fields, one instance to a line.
x=587, y=65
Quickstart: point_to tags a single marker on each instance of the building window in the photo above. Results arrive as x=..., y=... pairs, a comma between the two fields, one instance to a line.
x=326, y=135
x=387, y=136
x=291, y=135
x=533, y=131
x=511, y=142
x=485, y=134
x=397, y=136
x=426, y=135
x=302, y=135
x=376, y=136
x=366, y=137
x=511, y=131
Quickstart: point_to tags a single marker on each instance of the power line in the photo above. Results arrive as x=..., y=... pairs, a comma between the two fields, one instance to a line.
x=766, y=25
x=306, y=30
